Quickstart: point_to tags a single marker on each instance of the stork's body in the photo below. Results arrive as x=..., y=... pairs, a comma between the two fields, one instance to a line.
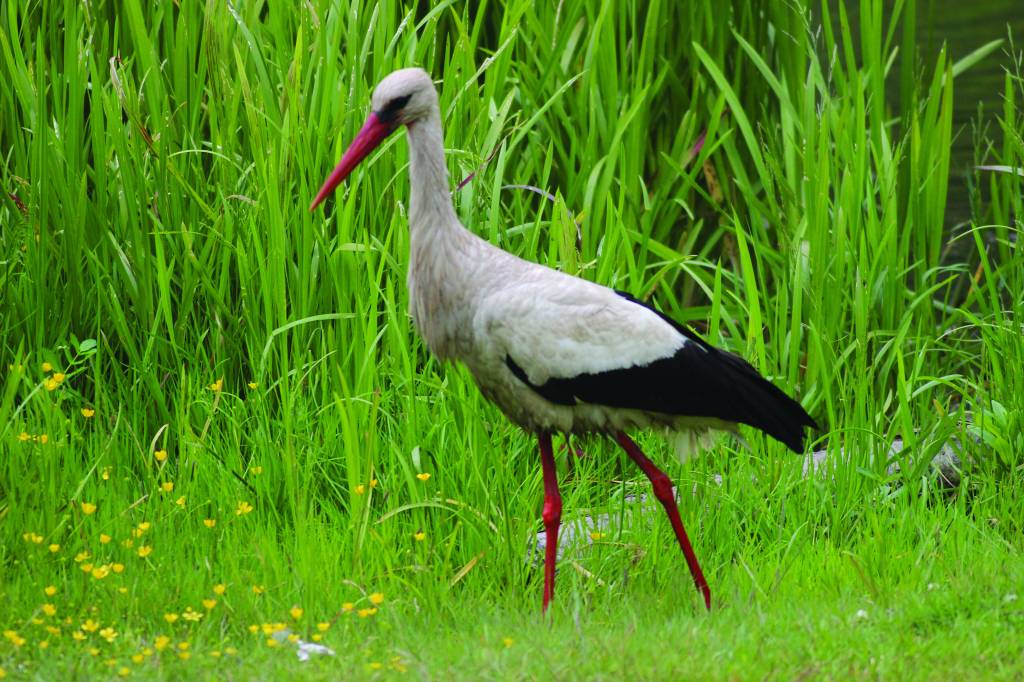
x=556, y=353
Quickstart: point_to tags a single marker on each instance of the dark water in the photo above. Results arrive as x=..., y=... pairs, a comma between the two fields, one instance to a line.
x=964, y=26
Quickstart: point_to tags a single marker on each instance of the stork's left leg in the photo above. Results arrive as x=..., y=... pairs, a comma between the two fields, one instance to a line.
x=663, y=491
x=552, y=515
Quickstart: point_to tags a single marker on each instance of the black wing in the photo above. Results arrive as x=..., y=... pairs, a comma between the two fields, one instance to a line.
x=697, y=381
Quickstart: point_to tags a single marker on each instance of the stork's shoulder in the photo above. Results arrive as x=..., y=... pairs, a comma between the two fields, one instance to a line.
x=555, y=325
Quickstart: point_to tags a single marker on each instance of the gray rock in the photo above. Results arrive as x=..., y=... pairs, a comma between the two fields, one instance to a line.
x=576, y=534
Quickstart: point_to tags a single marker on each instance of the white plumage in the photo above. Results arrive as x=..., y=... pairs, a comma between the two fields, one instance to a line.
x=556, y=353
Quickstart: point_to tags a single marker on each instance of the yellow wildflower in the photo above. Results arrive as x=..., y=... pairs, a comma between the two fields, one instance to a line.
x=373, y=483
x=230, y=650
x=296, y=612
x=219, y=588
x=160, y=455
x=54, y=548
x=161, y=642
x=420, y=536
x=144, y=526
x=316, y=637
x=109, y=634
x=88, y=508
x=208, y=604
x=323, y=627
x=595, y=535
x=44, y=439
x=209, y=523
x=124, y=671
x=347, y=606
x=106, y=474
x=167, y=486
x=45, y=644
x=171, y=617
x=271, y=642
x=363, y=613
x=82, y=556
x=86, y=567
x=117, y=568
x=508, y=642
x=217, y=386
x=360, y=489
x=53, y=630
x=257, y=470
x=47, y=367
x=180, y=501
x=50, y=590
x=24, y=436
x=145, y=551
x=104, y=538
x=423, y=476
x=192, y=616
x=90, y=625
x=88, y=412
x=258, y=589
x=49, y=609
x=243, y=508
x=375, y=665
x=293, y=638
x=51, y=384
x=183, y=645
x=215, y=653
x=254, y=628
x=253, y=385
x=77, y=636
x=138, y=658
x=101, y=572
x=59, y=377
x=377, y=598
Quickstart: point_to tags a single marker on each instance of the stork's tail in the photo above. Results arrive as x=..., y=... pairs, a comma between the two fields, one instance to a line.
x=762, y=404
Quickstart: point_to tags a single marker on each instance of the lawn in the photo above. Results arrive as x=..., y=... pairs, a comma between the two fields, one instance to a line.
x=221, y=438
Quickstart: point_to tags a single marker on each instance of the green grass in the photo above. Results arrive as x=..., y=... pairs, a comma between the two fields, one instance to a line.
x=156, y=163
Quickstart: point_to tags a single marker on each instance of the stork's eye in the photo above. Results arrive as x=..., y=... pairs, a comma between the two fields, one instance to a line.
x=395, y=105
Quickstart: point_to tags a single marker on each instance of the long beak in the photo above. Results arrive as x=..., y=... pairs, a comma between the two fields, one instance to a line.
x=369, y=138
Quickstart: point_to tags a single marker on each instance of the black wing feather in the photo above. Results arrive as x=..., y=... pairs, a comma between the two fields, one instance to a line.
x=698, y=381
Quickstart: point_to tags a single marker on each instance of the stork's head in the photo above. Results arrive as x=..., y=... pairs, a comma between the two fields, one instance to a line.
x=402, y=98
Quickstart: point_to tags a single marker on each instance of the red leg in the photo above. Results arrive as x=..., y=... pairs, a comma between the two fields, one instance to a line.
x=663, y=491
x=552, y=515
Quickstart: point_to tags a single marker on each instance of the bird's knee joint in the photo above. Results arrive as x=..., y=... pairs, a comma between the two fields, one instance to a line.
x=663, y=489
x=552, y=513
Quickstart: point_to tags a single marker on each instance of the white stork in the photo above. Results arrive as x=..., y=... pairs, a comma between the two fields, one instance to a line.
x=556, y=353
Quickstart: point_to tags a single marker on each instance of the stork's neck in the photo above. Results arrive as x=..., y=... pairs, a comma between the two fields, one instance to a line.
x=442, y=278
x=430, y=204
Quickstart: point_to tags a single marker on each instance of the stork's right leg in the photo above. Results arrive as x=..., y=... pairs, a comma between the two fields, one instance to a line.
x=663, y=491
x=552, y=515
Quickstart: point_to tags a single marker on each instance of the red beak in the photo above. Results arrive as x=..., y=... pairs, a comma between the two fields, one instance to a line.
x=369, y=138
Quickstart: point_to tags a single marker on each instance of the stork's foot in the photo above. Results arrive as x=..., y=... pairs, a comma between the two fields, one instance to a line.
x=552, y=515
x=663, y=491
